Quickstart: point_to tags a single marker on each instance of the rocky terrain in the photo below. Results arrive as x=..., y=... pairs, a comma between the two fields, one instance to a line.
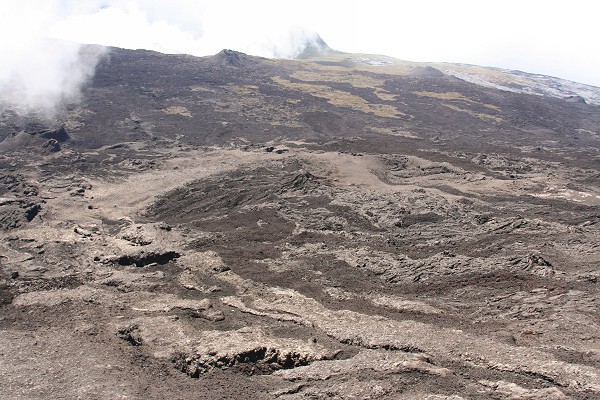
x=338, y=226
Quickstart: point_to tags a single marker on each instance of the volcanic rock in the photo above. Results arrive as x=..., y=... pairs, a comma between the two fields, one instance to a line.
x=345, y=226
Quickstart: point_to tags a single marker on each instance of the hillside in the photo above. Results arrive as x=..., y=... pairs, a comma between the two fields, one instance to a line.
x=337, y=226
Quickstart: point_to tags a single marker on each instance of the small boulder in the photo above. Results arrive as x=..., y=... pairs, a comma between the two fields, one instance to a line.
x=52, y=145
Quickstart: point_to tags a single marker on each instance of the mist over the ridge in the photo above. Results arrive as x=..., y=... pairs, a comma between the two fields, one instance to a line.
x=39, y=74
x=200, y=28
x=47, y=76
x=45, y=65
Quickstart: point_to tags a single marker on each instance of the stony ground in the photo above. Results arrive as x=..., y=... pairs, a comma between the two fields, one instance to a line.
x=358, y=247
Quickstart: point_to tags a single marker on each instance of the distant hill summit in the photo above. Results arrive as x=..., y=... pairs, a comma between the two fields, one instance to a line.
x=232, y=58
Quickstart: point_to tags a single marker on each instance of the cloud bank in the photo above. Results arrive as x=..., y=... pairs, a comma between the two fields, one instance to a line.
x=263, y=28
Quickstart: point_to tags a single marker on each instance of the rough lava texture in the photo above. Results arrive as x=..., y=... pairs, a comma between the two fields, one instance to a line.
x=341, y=226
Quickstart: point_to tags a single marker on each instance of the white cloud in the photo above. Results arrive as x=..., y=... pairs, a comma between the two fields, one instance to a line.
x=264, y=28
x=126, y=26
x=549, y=37
x=37, y=74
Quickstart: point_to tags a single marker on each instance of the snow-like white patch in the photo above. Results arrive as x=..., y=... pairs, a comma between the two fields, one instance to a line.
x=370, y=61
x=521, y=82
x=587, y=198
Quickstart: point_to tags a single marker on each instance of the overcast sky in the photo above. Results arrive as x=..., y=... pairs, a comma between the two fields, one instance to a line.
x=558, y=38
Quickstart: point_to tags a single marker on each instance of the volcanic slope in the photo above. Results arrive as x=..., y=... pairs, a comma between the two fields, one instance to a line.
x=341, y=226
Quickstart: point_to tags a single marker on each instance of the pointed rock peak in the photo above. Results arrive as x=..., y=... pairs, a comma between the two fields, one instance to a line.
x=320, y=43
x=315, y=47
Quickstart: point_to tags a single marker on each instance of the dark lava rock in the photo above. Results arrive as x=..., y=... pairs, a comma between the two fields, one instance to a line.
x=576, y=99
x=59, y=135
x=52, y=146
x=32, y=211
x=143, y=259
x=413, y=219
x=163, y=226
x=130, y=335
x=15, y=213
